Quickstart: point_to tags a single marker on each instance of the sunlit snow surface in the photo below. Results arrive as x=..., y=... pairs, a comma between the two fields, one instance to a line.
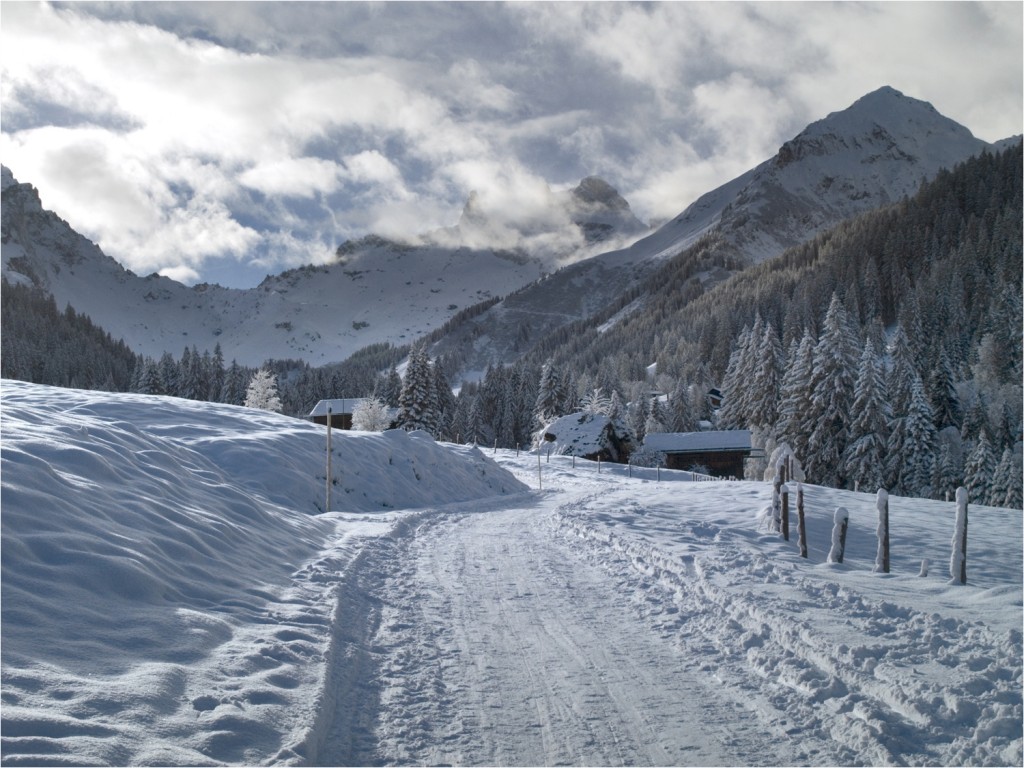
x=171, y=595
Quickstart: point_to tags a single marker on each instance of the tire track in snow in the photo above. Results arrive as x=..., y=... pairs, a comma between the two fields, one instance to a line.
x=499, y=643
x=849, y=691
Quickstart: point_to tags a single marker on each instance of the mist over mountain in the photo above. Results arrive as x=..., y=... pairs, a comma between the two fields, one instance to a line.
x=552, y=258
x=873, y=153
x=376, y=291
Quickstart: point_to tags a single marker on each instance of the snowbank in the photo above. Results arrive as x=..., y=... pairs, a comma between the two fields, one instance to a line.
x=167, y=583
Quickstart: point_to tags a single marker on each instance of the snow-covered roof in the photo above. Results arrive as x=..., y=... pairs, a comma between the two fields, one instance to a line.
x=337, y=405
x=699, y=442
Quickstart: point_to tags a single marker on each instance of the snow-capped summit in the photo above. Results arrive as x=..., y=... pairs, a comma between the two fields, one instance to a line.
x=874, y=152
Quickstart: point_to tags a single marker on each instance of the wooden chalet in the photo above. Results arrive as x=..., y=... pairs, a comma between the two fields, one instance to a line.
x=722, y=452
x=341, y=410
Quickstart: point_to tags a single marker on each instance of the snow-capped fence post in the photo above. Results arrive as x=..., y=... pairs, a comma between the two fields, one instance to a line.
x=882, y=556
x=495, y=446
x=329, y=472
x=776, y=521
x=784, y=492
x=800, y=526
x=841, y=522
x=958, y=559
x=540, y=474
x=629, y=465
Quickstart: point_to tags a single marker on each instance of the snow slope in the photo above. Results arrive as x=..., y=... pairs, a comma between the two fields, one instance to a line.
x=169, y=598
x=167, y=588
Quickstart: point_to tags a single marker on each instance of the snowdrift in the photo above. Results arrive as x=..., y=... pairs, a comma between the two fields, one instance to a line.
x=167, y=583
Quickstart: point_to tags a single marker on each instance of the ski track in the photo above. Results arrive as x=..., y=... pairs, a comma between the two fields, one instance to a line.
x=534, y=634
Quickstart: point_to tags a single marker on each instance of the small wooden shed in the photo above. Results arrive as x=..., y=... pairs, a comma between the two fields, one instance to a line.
x=722, y=452
x=341, y=410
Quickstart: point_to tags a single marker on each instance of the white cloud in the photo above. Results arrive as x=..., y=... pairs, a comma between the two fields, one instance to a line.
x=146, y=124
x=294, y=176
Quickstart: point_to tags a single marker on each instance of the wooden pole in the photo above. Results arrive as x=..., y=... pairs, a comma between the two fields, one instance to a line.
x=958, y=562
x=784, y=490
x=882, y=558
x=540, y=473
x=329, y=470
x=800, y=526
x=840, y=524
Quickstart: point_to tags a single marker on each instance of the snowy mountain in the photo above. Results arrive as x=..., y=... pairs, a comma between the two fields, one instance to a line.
x=871, y=154
x=375, y=291
x=172, y=595
x=553, y=256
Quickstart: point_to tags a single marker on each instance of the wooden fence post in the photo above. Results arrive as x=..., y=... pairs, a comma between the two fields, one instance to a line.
x=784, y=490
x=958, y=560
x=841, y=522
x=330, y=472
x=800, y=526
x=882, y=557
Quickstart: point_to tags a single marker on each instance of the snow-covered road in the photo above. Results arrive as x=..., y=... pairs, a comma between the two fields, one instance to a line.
x=566, y=627
x=500, y=644
x=172, y=597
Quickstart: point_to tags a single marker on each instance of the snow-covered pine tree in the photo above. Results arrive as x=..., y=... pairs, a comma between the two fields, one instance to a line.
x=217, y=374
x=947, y=475
x=942, y=394
x=417, y=403
x=1013, y=483
x=795, y=406
x=550, y=396
x=445, y=404
x=262, y=392
x=832, y=381
x=655, y=422
x=978, y=469
x=388, y=388
x=864, y=459
x=234, y=388
x=681, y=413
x=902, y=372
x=914, y=448
x=1001, y=478
x=763, y=402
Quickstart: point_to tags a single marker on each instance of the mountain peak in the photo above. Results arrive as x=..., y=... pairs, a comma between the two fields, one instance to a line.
x=594, y=190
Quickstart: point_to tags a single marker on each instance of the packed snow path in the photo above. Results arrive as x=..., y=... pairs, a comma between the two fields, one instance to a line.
x=499, y=645
x=561, y=628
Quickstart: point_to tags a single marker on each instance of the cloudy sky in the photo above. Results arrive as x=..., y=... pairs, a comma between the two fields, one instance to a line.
x=225, y=141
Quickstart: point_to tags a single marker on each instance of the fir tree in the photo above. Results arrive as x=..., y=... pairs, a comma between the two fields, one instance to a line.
x=417, y=404
x=262, y=392
x=864, y=460
x=978, y=469
x=794, y=426
x=1001, y=480
x=947, y=475
x=942, y=394
x=550, y=396
x=763, y=402
x=681, y=416
x=832, y=383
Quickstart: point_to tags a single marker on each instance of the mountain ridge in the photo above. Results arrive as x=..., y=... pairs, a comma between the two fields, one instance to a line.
x=874, y=152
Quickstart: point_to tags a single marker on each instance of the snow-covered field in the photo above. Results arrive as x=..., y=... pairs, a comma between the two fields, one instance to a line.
x=171, y=594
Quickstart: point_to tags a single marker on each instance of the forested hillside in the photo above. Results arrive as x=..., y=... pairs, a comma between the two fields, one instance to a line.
x=908, y=318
